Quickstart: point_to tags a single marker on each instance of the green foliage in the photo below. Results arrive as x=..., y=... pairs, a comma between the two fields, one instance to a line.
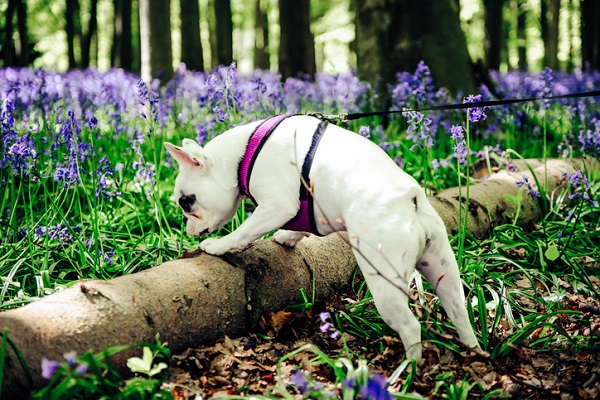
x=92, y=376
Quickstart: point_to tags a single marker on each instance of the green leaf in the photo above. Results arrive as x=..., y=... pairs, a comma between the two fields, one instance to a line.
x=142, y=365
x=552, y=252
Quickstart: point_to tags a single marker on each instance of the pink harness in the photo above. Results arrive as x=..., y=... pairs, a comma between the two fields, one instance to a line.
x=304, y=221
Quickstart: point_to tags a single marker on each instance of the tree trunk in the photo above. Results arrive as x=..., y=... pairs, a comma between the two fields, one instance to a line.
x=8, y=48
x=196, y=300
x=261, y=38
x=155, y=34
x=495, y=37
x=395, y=35
x=590, y=34
x=549, y=20
x=224, y=32
x=86, y=44
x=296, y=45
x=186, y=301
x=73, y=30
x=122, y=48
x=191, y=46
x=521, y=10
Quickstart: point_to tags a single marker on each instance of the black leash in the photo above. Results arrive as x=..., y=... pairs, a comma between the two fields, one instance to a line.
x=461, y=106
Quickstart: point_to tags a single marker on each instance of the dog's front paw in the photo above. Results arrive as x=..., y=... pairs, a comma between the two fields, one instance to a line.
x=288, y=238
x=215, y=246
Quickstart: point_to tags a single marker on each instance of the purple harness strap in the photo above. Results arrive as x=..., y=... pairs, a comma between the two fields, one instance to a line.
x=304, y=220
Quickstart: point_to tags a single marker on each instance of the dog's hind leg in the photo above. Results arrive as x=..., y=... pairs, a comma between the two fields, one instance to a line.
x=389, y=288
x=438, y=264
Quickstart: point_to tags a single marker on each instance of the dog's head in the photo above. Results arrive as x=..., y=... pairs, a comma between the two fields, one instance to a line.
x=201, y=190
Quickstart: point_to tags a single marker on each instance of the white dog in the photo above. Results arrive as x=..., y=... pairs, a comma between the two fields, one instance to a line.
x=352, y=185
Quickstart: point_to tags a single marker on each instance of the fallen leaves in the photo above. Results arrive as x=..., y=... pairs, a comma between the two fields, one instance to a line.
x=250, y=364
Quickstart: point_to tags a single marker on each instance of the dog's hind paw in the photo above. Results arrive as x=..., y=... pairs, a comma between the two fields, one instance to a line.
x=288, y=238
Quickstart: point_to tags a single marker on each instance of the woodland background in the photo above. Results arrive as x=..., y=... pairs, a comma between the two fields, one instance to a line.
x=458, y=40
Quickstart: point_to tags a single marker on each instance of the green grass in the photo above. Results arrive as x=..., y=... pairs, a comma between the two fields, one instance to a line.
x=518, y=282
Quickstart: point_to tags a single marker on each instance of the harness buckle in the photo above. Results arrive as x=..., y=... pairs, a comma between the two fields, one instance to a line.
x=333, y=118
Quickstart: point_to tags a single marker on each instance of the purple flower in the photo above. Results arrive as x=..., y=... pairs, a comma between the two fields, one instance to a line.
x=419, y=128
x=49, y=368
x=476, y=114
x=70, y=357
x=364, y=131
x=327, y=326
x=376, y=388
x=300, y=381
x=324, y=316
x=579, y=182
x=460, y=149
x=529, y=187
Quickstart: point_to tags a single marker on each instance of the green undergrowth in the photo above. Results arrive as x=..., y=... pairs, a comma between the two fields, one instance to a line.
x=523, y=286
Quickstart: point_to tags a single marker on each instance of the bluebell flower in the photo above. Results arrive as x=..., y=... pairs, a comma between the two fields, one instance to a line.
x=299, y=380
x=71, y=358
x=364, y=131
x=419, y=129
x=460, y=149
x=327, y=326
x=528, y=186
x=49, y=368
x=476, y=114
x=376, y=388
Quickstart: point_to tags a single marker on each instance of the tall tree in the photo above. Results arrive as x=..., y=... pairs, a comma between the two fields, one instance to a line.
x=296, y=46
x=590, y=33
x=122, y=47
x=191, y=46
x=521, y=10
x=73, y=30
x=155, y=34
x=394, y=35
x=20, y=52
x=224, y=32
x=495, y=37
x=550, y=10
x=261, y=38
x=86, y=43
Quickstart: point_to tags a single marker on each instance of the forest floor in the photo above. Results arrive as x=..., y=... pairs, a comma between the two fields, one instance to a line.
x=248, y=365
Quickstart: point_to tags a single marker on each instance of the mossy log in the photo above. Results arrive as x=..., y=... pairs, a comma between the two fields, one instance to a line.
x=198, y=299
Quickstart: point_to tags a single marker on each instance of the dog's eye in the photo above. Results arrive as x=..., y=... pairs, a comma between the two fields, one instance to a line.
x=186, y=202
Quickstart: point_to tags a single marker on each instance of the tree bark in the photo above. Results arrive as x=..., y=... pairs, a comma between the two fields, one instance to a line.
x=395, y=35
x=495, y=38
x=122, y=47
x=549, y=19
x=261, y=39
x=590, y=34
x=191, y=46
x=224, y=32
x=296, y=45
x=8, y=49
x=73, y=30
x=196, y=300
x=86, y=44
x=155, y=34
x=521, y=10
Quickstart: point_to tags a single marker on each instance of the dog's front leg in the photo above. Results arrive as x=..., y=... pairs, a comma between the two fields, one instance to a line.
x=265, y=219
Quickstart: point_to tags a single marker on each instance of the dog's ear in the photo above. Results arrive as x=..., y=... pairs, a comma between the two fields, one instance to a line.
x=188, y=158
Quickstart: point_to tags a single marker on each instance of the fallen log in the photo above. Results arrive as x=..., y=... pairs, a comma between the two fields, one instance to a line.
x=186, y=301
x=490, y=201
x=196, y=300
